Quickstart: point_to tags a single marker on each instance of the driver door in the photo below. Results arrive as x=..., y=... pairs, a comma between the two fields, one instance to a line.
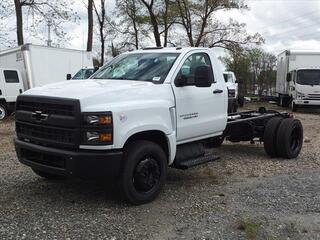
x=201, y=111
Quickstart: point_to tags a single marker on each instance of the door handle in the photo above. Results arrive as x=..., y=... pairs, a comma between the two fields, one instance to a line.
x=0, y=92
x=217, y=91
x=20, y=91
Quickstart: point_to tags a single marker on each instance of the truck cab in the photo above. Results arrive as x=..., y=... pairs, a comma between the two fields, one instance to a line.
x=232, y=85
x=304, y=87
x=11, y=86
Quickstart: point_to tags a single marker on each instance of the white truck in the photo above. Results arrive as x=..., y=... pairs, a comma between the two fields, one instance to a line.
x=232, y=85
x=298, y=79
x=143, y=111
x=30, y=66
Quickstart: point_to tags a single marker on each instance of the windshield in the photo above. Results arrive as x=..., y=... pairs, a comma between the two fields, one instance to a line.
x=308, y=77
x=83, y=74
x=152, y=67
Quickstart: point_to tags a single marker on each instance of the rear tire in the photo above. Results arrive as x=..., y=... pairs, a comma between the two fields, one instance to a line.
x=144, y=172
x=46, y=175
x=3, y=112
x=289, y=138
x=270, y=136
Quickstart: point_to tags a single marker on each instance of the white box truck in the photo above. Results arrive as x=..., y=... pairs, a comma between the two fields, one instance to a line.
x=298, y=79
x=30, y=66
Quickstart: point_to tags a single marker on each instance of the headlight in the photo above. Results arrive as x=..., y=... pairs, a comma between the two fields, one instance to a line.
x=97, y=129
x=231, y=93
x=300, y=95
x=96, y=120
x=97, y=138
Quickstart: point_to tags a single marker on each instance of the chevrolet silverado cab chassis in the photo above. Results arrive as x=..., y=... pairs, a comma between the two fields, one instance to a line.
x=140, y=113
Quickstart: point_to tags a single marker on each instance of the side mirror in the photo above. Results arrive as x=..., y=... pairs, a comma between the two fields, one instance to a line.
x=203, y=76
x=69, y=76
x=181, y=80
x=289, y=77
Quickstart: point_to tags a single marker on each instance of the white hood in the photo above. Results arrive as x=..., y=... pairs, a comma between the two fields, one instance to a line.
x=95, y=94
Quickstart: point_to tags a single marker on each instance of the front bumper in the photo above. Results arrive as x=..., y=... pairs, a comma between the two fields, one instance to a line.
x=307, y=102
x=87, y=164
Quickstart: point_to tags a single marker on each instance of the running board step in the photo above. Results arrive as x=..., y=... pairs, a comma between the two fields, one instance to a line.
x=196, y=161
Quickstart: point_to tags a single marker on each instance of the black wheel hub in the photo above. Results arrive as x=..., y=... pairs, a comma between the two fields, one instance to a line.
x=146, y=175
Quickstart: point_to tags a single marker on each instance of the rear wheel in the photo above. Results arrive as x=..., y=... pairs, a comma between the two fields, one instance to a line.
x=3, y=112
x=289, y=138
x=47, y=175
x=144, y=172
x=270, y=136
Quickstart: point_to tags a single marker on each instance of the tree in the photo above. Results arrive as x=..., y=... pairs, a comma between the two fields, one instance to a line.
x=101, y=15
x=254, y=68
x=56, y=12
x=202, y=29
x=162, y=15
x=131, y=23
x=90, y=26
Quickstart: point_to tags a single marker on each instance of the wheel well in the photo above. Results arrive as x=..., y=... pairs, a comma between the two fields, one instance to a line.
x=153, y=136
x=3, y=101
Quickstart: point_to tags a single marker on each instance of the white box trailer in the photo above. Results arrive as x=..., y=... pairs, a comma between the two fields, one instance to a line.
x=298, y=78
x=30, y=66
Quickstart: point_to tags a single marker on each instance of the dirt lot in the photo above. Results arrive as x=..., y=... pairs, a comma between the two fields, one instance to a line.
x=244, y=195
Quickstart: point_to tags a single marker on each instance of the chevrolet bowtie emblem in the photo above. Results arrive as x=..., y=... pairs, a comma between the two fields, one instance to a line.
x=39, y=116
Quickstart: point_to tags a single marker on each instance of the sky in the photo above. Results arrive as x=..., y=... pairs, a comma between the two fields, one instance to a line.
x=285, y=24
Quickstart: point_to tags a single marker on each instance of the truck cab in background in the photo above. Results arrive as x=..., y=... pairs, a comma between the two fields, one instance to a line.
x=11, y=86
x=298, y=79
x=232, y=85
x=304, y=88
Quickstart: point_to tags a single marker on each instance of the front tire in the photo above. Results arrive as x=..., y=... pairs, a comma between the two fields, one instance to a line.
x=3, y=112
x=144, y=172
x=214, y=142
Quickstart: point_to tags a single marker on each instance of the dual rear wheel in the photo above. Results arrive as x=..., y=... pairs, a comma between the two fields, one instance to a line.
x=283, y=137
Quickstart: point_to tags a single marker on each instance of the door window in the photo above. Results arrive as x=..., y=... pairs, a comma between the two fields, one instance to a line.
x=11, y=76
x=188, y=68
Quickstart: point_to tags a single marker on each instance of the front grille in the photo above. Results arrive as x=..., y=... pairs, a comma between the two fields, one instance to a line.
x=59, y=128
x=44, y=159
x=231, y=93
x=313, y=97
x=48, y=108
x=48, y=134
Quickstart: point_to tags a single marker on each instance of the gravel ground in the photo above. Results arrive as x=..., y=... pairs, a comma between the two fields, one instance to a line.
x=244, y=195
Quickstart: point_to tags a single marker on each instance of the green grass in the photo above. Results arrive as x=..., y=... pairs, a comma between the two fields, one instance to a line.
x=250, y=228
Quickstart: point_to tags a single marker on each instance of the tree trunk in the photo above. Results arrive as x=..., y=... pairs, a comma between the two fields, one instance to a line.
x=102, y=46
x=90, y=25
x=18, y=8
x=155, y=29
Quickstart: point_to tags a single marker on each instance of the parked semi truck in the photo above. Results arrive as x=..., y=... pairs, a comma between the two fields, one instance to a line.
x=143, y=111
x=31, y=66
x=298, y=79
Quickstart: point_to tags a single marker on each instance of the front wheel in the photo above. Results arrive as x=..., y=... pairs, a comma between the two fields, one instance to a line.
x=144, y=172
x=3, y=112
